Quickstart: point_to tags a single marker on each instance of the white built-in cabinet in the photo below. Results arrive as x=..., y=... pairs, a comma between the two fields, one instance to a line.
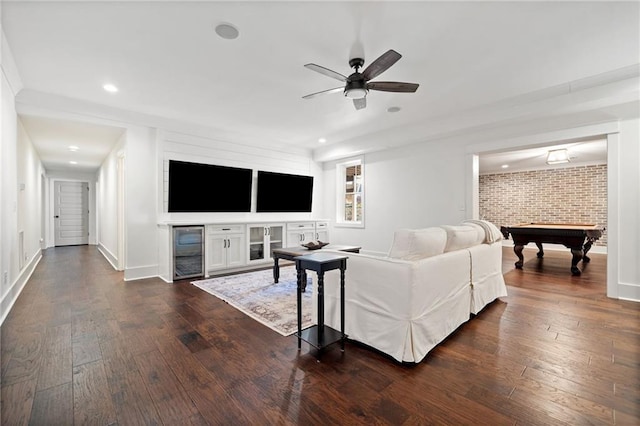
x=322, y=231
x=238, y=246
x=262, y=239
x=304, y=232
x=225, y=247
x=300, y=233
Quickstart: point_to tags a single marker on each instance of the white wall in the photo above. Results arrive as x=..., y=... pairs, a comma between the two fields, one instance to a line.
x=9, y=204
x=409, y=187
x=628, y=211
x=141, y=177
x=209, y=150
x=107, y=203
x=29, y=195
x=431, y=184
x=20, y=192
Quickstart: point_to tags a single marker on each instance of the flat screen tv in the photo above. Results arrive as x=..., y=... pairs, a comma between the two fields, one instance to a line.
x=195, y=187
x=280, y=192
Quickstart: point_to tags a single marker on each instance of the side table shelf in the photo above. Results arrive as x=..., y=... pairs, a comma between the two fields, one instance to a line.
x=320, y=336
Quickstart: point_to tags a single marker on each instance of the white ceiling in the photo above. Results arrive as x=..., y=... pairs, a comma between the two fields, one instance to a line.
x=581, y=153
x=53, y=137
x=477, y=64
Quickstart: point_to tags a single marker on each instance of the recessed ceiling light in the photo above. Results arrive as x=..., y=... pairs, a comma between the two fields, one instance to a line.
x=73, y=162
x=73, y=148
x=393, y=109
x=322, y=140
x=227, y=31
x=505, y=166
x=110, y=88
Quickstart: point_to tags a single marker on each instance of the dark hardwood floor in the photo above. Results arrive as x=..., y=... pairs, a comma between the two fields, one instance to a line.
x=83, y=347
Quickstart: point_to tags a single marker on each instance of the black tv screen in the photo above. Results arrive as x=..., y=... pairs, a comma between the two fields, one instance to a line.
x=195, y=187
x=279, y=192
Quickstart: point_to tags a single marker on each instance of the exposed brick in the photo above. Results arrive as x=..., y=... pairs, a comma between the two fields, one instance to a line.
x=565, y=195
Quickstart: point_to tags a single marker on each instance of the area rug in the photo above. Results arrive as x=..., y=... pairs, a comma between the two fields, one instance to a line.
x=255, y=294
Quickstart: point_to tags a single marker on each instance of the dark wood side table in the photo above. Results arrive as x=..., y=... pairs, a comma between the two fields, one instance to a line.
x=290, y=253
x=320, y=336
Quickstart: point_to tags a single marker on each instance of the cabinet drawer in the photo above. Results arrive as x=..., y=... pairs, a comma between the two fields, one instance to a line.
x=300, y=226
x=224, y=229
x=322, y=225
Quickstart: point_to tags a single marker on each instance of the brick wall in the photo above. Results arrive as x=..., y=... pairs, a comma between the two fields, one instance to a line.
x=564, y=195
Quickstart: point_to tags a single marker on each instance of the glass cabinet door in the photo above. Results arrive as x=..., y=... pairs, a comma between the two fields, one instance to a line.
x=257, y=238
x=264, y=238
x=275, y=237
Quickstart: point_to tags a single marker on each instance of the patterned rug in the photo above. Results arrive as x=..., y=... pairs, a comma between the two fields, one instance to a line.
x=255, y=294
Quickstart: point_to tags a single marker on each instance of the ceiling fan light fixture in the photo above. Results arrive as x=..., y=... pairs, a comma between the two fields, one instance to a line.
x=356, y=93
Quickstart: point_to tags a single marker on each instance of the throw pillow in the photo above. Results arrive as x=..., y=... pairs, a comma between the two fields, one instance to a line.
x=461, y=237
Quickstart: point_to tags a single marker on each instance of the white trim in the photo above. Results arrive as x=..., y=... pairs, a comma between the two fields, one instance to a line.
x=9, y=67
x=608, y=129
x=340, y=192
x=141, y=272
x=10, y=297
x=111, y=258
x=164, y=279
x=121, y=223
x=613, y=215
x=628, y=291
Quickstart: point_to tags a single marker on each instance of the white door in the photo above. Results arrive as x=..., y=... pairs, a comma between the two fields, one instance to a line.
x=71, y=213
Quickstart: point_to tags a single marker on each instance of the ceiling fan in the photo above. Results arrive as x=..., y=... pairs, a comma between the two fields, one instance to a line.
x=357, y=85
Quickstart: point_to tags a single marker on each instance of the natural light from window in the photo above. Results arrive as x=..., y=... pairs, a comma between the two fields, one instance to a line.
x=350, y=193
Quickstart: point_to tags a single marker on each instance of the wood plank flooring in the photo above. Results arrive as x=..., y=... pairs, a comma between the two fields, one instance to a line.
x=83, y=347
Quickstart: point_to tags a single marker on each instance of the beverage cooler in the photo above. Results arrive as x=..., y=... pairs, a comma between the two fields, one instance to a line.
x=188, y=252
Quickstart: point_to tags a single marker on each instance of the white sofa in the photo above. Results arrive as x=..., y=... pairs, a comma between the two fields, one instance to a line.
x=431, y=282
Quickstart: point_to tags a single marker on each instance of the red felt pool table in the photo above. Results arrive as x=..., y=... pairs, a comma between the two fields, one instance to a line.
x=578, y=237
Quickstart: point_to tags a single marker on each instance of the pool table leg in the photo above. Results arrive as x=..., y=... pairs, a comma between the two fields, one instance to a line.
x=577, y=257
x=517, y=249
x=540, y=251
x=587, y=247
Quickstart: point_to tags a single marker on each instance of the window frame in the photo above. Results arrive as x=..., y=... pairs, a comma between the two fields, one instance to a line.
x=341, y=193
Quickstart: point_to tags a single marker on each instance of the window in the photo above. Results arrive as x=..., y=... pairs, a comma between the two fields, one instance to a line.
x=350, y=193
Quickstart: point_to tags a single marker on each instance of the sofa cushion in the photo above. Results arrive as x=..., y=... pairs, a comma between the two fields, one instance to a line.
x=414, y=244
x=462, y=236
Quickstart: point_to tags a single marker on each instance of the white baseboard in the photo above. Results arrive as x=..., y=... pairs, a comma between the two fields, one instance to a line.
x=165, y=280
x=111, y=258
x=141, y=272
x=629, y=292
x=10, y=297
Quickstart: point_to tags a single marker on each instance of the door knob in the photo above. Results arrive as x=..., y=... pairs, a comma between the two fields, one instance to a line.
x=56, y=216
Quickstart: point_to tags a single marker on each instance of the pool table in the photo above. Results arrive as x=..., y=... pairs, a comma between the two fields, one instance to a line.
x=578, y=237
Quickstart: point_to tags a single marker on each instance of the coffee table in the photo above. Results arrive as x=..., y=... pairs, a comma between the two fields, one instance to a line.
x=290, y=253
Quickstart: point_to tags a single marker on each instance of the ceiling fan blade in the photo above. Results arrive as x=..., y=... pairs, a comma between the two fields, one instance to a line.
x=324, y=92
x=381, y=64
x=360, y=103
x=326, y=71
x=393, y=86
